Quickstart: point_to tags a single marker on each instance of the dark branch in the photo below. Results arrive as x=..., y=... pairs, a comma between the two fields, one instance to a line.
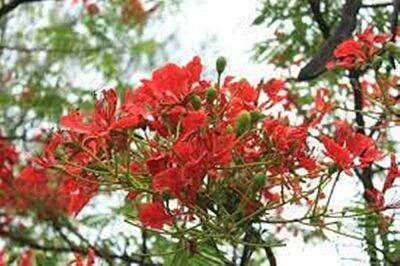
x=28, y=242
x=343, y=31
x=376, y=5
x=10, y=6
x=316, y=10
x=394, y=24
x=270, y=256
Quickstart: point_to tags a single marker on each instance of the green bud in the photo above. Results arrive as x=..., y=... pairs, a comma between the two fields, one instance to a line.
x=229, y=129
x=377, y=62
x=391, y=47
x=221, y=64
x=243, y=123
x=259, y=181
x=256, y=116
x=332, y=169
x=259, y=20
x=211, y=93
x=195, y=101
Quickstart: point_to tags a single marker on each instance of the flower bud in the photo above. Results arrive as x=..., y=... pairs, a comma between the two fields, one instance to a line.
x=229, y=129
x=195, y=101
x=391, y=47
x=211, y=93
x=259, y=181
x=377, y=62
x=243, y=123
x=256, y=116
x=221, y=64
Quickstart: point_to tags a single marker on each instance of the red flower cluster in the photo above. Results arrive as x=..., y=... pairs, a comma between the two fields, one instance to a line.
x=178, y=138
x=187, y=132
x=354, y=54
x=350, y=145
x=39, y=184
x=377, y=197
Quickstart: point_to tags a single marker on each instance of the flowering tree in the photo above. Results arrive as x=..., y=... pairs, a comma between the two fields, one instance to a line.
x=44, y=44
x=211, y=170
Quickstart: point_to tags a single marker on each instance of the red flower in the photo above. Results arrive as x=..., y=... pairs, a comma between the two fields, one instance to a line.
x=194, y=69
x=2, y=259
x=336, y=152
x=377, y=199
x=157, y=163
x=27, y=258
x=30, y=174
x=322, y=106
x=90, y=257
x=75, y=122
x=99, y=123
x=363, y=147
x=78, y=259
x=169, y=86
x=271, y=196
x=392, y=174
x=193, y=121
x=352, y=54
x=243, y=90
x=128, y=121
x=153, y=215
x=349, y=48
x=169, y=180
x=274, y=88
x=350, y=145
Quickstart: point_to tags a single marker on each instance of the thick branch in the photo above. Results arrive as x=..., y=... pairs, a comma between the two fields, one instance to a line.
x=376, y=5
x=343, y=31
x=10, y=6
x=316, y=10
x=270, y=256
x=394, y=24
x=365, y=176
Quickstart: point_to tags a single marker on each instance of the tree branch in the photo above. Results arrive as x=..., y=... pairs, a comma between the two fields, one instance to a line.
x=316, y=10
x=343, y=31
x=394, y=24
x=10, y=6
x=376, y=5
x=28, y=242
x=365, y=176
x=270, y=256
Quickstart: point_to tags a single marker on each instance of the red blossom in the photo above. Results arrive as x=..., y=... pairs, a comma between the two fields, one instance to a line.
x=339, y=154
x=193, y=121
x=322, y=106
x=90, y=257
x=376, y=197
x=353, y=54
x=169, y=180
x=27, y=258
x=349, y=145
x=392, y=174
x=154, y=215
x=274, y=90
